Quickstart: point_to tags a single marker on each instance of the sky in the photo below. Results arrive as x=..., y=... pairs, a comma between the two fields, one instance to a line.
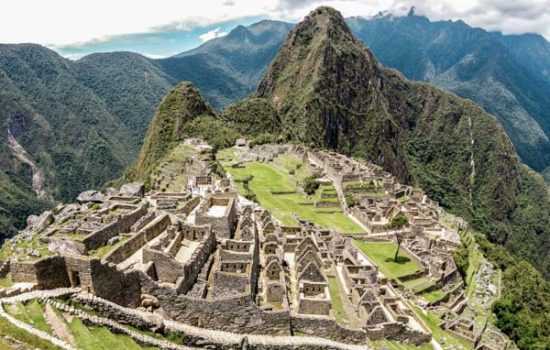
x=161, y=28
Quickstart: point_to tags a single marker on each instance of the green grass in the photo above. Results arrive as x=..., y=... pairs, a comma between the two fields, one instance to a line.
x=6, y=282
x=22, y=247
x=336, y=298
x=418, y=284
x=394, y=345
x=100, y=338
x=432, y=322
x=269, y=177
x=25, y=337
x=383, y=253
x=434, y=295
x=35, y=312
x=31, y=313
x=106, y=249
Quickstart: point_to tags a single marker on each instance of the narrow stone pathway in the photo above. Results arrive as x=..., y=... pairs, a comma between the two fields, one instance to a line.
x=58, y=326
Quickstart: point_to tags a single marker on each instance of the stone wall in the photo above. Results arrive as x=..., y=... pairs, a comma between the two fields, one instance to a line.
x=144, y=220
x=228, y=284
x=167, y=269
x=123, y=288
x=23, y=271
x=236, y=314
x=47, y=273
x=399, y=332
x=313, y=306
x=222, y=226
x=100, y=237
x=205, y=338
x=52, y=273
x=328, y=328
x=190, y=205
x=138, y=240
x=195, y=264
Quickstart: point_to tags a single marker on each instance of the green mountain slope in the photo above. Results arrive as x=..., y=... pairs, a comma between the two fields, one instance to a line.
x=506, y=75
x=82, y=122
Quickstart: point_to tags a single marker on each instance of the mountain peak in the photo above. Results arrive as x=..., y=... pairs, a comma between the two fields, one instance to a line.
x=180, y=106
x=324, y=19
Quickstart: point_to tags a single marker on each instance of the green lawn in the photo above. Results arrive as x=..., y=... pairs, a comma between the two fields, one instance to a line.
x=270, y=177
x=23, y=336
x=434, y=295
x=383, y=253
x=337, y=307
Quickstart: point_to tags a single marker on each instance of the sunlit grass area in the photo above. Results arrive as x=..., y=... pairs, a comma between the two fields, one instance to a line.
x=285, y=175
x=383, y=253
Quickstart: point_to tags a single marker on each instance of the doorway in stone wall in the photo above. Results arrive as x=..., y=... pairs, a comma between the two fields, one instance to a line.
x=74, y=278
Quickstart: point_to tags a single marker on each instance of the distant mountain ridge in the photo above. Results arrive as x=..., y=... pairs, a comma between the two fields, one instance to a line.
x=508, y=75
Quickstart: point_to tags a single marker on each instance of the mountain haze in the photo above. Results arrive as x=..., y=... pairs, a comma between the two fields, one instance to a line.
x=508, y=75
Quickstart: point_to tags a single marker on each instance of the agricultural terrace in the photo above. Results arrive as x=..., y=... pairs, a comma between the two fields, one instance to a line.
x=67, y=327
x=277, y=187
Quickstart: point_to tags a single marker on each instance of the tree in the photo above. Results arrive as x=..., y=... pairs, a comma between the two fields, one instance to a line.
x=246, y=180
x=398, y=223
x=311, y=185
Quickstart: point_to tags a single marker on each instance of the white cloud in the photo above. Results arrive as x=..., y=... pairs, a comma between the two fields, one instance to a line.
x=60, y=22
x=214, y=33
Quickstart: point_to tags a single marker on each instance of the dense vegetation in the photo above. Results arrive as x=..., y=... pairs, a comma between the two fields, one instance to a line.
x=253, y=116
x=72, y=135
x=523, y=311
x=169, y=126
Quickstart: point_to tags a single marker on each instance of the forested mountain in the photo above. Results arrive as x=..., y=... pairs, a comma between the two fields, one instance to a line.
x=82, y=122
x=509, y=76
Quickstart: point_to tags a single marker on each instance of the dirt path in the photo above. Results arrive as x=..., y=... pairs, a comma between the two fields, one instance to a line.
x=59, y=327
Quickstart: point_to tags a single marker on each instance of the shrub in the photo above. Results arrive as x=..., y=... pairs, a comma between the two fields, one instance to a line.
x=310, y=185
